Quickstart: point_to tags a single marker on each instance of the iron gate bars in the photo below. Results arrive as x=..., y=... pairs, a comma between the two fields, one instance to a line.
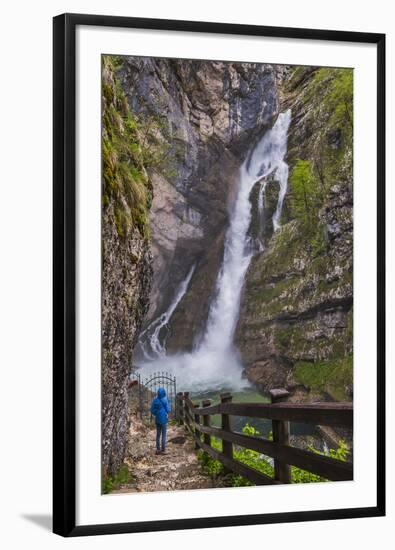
x=148, y=388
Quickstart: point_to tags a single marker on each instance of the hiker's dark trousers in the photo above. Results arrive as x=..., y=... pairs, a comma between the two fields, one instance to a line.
x=161, y=431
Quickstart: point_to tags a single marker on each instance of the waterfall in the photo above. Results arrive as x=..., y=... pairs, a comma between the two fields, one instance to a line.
x=259, y=240
x=150, y=339
x=282, y=176
x=214, y=363
x=267, y=157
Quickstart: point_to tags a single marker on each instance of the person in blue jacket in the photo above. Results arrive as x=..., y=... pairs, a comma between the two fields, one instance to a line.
x=160, y=408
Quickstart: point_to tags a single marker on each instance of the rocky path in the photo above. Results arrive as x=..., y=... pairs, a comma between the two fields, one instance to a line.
x=178, y=469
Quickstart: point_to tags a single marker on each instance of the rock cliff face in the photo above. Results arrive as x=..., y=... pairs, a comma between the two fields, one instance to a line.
x=208, y=114
x=175, y=133
x=126, y=265
x=126, y=280
x=295, y=326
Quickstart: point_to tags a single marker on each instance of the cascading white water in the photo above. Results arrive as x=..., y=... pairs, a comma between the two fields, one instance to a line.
x=282, y=176
x=259, y=240
x=267, y=156
x=150, y=341
x=215, y=364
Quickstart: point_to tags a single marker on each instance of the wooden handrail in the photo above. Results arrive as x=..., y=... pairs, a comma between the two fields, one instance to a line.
x=238, y=467
x=281, y=413
x=323, y=466
x=327, y=414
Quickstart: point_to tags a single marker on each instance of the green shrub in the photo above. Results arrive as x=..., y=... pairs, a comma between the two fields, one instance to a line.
x=211, y=466
x=302, y=476
x=110, y=483
x=259, y=462
x=254, y=459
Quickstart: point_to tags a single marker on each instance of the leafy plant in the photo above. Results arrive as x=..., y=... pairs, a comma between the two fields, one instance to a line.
x=262, y=463
x=110, y=483
x=210, y=465
x=251, y=458
x=302, y=476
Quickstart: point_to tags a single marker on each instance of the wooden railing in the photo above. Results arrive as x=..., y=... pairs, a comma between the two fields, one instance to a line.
x=197, y=419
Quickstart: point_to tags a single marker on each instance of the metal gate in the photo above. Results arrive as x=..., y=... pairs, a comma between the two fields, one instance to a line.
x=147, y=389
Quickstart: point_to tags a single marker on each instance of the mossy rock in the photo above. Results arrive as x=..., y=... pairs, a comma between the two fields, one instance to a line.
x=334, y=377
x=125, y=180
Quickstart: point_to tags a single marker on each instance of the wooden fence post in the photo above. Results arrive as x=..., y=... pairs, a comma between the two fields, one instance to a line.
x=178, y=412
x=197, y=421
x=282, y=472
x=186, y=409
x=206, y=422
x=227, y=446
x=281, y=414
x=179, y=408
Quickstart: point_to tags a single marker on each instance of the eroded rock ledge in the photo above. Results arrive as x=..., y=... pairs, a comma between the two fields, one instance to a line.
x=295, y=326
x=211, y=113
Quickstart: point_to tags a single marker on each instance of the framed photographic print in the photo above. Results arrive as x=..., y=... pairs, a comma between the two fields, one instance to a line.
x=219, y=274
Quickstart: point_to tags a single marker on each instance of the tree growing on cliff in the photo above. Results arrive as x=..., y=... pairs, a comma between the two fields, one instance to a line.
x=338, y=96
x=305, y=197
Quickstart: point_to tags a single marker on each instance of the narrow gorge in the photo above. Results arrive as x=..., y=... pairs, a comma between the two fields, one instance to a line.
x=227, y=230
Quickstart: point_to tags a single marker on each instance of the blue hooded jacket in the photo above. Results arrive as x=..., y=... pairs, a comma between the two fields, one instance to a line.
x=160, y=407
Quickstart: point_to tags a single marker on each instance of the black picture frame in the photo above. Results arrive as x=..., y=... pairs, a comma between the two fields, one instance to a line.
x=64, y=273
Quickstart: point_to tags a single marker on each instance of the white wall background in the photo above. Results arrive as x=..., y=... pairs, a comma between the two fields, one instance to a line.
x=25, y=273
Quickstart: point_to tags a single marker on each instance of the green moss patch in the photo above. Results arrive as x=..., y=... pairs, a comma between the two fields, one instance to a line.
x=122, y=477
x=326, y=100
x=334, y=377
x=125, y=180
